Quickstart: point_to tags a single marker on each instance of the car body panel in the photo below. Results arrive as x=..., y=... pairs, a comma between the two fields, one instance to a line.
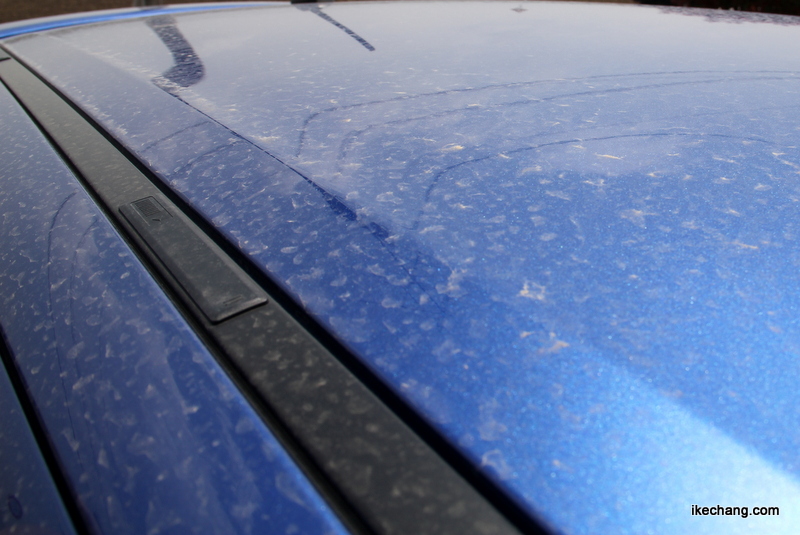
x=11, y=29
x=30, y=498
x=149, y=430
x=563, y=233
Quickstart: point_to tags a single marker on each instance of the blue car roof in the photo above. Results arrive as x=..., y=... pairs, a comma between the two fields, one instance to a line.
x=147, y=429
x=564, y=233
x=77, y=19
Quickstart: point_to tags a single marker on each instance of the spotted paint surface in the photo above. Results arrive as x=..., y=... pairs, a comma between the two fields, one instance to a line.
x=30, y=499
x=151, y=434
x=567, y=234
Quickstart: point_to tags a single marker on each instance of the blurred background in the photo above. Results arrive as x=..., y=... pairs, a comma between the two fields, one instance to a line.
x=11, y=10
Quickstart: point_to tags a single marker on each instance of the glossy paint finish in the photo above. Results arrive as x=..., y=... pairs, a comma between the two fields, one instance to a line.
x=565, y=233
x=77, y=19
x=151, y=434
x=29, y=499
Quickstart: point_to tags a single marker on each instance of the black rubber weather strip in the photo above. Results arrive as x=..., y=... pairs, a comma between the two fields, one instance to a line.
x=371, y=465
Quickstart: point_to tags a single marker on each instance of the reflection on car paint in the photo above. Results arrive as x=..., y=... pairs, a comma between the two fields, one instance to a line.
x=188, y=69
x=66, y=21
x=585, y=273
x=314, y=8
x=148, y=428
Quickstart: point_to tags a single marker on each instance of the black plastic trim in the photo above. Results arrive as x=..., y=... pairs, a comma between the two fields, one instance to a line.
x=70, y=125
x=214, y=282
x=380, y=465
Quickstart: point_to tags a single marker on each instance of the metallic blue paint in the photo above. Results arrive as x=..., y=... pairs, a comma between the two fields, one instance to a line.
x=65, y=21
x=565, y=233
x=29, y=499
x=151, y=434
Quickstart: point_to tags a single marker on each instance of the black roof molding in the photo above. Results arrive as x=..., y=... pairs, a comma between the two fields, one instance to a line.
x=377, y=463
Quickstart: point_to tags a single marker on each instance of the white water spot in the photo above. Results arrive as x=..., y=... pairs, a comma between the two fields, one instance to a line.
x=490, y=429
x=451, y=148
x=102, y=458
x=434, y=228
x=453, y=286
x=494, y=459
x=635, y=216
x=388, y=302
x=559, y=195
x=83, y=381
x=534, y=291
